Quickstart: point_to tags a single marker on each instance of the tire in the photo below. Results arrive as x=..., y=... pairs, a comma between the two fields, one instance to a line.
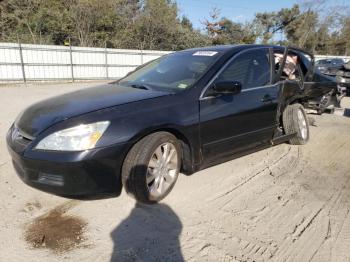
x=320, y=111
x=145, y=174
x=295, y=121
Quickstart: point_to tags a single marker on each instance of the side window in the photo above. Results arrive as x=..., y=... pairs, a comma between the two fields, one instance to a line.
x=293, y=69
x=251, y=69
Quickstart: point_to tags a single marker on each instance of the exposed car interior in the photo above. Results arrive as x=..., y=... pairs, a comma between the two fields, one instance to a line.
x=292, y=69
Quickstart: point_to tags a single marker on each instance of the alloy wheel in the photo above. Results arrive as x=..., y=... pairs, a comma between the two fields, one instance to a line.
x=302, y=124
x=162, y=169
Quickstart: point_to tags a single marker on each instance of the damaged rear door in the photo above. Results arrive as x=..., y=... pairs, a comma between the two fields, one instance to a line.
x=316, y=84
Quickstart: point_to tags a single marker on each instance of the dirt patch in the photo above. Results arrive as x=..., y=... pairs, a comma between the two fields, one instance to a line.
x=56, y=230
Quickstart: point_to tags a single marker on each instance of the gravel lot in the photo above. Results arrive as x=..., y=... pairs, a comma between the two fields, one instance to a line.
x=285, y=203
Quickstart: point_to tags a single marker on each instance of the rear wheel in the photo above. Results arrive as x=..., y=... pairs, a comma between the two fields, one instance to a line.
x=295, y=122
x=152, y=166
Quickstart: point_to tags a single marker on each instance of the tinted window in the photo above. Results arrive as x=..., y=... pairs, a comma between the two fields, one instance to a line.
x=330, y=62
x=175, y=71
x=322, y=62
x=338, y=61
x=251, y=68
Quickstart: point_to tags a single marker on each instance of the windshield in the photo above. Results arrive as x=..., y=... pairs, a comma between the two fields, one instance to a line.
x=175, y=71
x=330, y=62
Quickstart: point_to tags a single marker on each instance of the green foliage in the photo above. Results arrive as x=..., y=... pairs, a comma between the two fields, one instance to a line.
x=151, y=24
x=155, y=24
x=224, y=31
x=312, y=28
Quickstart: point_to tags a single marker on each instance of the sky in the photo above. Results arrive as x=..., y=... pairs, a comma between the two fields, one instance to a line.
x=236, y=10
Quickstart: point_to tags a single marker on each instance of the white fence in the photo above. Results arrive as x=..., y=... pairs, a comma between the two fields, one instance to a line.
x=345, y=58
x=23, y=62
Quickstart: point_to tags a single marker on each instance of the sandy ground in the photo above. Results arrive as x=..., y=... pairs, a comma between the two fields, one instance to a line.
x=285, y=203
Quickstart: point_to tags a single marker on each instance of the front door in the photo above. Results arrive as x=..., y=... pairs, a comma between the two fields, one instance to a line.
x=231, y=123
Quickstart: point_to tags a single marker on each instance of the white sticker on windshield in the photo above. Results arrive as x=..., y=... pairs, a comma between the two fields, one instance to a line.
x=205, y=53
x=182, y=86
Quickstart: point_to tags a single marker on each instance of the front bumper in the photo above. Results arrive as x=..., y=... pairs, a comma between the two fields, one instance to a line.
x=89, y=173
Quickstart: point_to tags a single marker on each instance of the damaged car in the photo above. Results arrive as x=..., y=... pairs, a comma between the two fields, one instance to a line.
x=343, y=79
x=329, y=66
x=180, y=113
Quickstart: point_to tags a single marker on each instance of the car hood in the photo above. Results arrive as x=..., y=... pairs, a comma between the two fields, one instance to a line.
x=42, y=115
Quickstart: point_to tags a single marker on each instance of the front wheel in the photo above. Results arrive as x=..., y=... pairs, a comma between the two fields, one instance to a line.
x=295, y=122
x=152, y=167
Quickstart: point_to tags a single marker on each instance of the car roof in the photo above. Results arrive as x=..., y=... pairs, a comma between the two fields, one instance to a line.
x=236, y=48
x=227, y=48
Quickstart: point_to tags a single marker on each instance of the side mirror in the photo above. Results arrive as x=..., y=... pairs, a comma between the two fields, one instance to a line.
x=227, y=87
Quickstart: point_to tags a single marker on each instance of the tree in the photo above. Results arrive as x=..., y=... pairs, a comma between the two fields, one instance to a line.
x=92, y=21
x=155, y=24
x=225, y=31
x=345, y=36
x=20, y=15
x=187, y=37
x=269, y=23
x=314, y=26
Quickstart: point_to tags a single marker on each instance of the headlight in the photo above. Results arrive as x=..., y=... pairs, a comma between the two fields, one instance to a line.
x=76, y=138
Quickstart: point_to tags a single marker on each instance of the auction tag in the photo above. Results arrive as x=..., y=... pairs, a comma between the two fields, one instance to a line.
x=182, y=86
x=205, y=53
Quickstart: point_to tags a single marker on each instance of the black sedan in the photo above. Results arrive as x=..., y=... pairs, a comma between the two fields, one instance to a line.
x=180, y=113
x=329, y=66
x=343, y=78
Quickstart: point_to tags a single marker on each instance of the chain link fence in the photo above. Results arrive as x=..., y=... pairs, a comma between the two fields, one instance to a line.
x=319, y=57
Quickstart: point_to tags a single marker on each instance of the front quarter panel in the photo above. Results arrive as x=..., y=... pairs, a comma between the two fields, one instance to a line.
x=130, y=122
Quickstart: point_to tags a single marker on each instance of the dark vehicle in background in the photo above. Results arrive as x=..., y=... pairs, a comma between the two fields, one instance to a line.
x=343, y=78
x=180, y=113
x=329, y=66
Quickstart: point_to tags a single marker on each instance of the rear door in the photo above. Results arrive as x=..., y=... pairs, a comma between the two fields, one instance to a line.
x=231, y=123
x=315, y=83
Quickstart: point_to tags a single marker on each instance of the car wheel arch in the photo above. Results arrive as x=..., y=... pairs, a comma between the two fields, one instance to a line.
x=187, y=148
